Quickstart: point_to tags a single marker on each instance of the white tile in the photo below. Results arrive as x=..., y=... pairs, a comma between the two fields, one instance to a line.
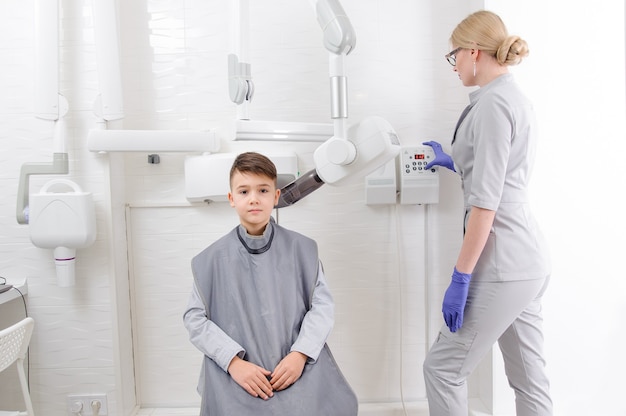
x=179, y=388
x=72, y=336
x=50, y=387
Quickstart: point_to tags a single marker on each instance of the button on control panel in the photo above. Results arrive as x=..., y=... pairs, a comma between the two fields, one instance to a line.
x=418, y=185
x=415, y=160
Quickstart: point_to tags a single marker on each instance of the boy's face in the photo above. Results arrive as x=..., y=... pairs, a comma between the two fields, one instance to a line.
x=254, y=197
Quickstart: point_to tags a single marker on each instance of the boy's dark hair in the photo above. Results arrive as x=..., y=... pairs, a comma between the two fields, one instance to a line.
x=256, y=163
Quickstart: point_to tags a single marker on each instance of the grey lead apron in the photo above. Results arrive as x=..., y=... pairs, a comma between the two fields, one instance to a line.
x=258, y=290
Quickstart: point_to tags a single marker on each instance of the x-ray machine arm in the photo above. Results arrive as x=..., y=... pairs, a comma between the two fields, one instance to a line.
x=350, y=153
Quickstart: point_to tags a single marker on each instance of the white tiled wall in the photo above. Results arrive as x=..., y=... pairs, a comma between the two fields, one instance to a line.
x=369, y=268
x=174, y=73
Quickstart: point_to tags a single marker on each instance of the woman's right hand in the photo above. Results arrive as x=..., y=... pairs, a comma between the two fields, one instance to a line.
x=251, y=377
x=441, y=157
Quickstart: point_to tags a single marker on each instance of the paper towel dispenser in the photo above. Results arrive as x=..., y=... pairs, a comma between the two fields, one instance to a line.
x=207, y=175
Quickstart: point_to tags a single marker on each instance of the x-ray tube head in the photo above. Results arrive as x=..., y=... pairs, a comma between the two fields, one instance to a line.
x=375, y=143
x=298, y=189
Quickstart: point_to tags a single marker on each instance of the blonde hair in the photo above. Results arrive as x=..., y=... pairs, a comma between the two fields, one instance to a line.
x=485, y=31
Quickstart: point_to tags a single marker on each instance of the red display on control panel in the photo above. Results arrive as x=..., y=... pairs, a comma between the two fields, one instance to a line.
x=420, y=156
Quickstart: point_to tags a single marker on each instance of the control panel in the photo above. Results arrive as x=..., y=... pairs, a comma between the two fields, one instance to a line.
x=418, y=185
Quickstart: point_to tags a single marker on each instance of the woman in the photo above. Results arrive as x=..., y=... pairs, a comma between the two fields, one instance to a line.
x=503, y=266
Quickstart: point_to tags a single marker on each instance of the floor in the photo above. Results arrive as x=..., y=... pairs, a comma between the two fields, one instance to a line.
x=365, y=409
x=169, y=412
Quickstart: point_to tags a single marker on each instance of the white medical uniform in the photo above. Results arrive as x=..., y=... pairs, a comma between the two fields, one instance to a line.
x=493, y=150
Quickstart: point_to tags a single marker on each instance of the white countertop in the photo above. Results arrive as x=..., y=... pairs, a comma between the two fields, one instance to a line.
x=9, y=295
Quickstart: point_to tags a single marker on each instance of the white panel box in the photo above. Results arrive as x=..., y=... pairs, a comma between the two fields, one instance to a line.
x=380, y=185
x=207, y=177
x=418, y=185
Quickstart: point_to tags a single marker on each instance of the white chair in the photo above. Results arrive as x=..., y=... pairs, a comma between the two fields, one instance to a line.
x=14, y=342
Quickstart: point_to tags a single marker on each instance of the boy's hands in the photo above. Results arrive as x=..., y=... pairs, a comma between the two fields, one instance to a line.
x=251, y=377
x=288, y=370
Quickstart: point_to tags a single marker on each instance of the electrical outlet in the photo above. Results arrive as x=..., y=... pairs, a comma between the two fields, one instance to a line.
x=80, y=405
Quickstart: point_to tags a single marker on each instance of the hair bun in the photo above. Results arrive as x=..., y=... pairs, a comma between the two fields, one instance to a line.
x=512, y=51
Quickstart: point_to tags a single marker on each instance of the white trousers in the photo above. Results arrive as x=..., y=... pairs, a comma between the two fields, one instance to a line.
x=507, y=312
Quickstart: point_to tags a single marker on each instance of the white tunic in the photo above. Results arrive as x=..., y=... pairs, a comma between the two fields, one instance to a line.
x=493, y=151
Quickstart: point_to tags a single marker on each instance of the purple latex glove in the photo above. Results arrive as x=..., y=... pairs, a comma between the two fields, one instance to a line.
x=454, y=300
x=441, y=157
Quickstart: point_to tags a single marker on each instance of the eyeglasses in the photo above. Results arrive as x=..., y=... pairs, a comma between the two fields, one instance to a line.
x=451, y=57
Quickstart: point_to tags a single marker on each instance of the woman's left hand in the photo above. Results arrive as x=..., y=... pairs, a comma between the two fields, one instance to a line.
x=288, y=370
x=454, y=300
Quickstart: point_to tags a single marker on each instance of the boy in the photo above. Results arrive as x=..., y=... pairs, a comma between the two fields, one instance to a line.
x=261, y=311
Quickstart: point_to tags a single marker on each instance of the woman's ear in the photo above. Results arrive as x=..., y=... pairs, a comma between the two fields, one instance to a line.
x=475, y=54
